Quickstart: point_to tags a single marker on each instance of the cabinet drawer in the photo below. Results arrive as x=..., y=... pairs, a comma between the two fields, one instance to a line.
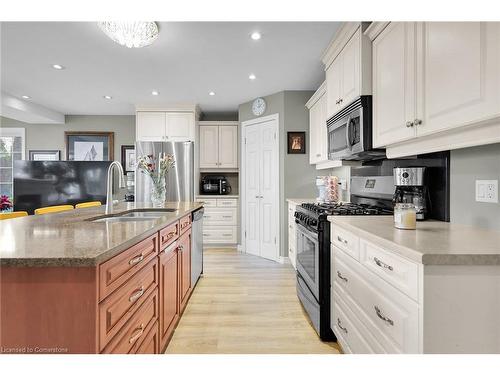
x=227, y=203
x=220, y=216
x=169, y=234
x=219, y=234
x=120, y=268
x=390, y=315
x=151, y=342
x=397, y=271
x=208, y=202
x=185, y=223
x=347, y=327
x=345, y=240
x=115, y=310
x=127, y=340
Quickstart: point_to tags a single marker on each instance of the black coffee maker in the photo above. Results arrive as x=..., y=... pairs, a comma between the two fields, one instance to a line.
x=411, y=188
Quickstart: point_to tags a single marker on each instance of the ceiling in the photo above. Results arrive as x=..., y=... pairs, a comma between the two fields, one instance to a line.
x=185, y=63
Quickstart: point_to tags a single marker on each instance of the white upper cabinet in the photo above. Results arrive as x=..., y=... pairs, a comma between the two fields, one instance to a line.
x=209, y=150
x=228, y=147
x=436, y=85
x=318, y=137
x=151, y=126
x=180, y=126
x=459, y=75
x=394, y=84
x=218, y=144
x=348, y=67
x=156, y=124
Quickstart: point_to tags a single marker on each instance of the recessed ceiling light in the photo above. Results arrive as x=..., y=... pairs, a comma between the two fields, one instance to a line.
x=252, y=76
x=155, y=93
x=211, y=93
x=26, y=97
x=107, y=97
x=58, y=67
x=255, y=35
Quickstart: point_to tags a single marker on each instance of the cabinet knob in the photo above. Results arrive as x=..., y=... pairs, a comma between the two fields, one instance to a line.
x=409, y=124
x=318, y=155
x=417, y=121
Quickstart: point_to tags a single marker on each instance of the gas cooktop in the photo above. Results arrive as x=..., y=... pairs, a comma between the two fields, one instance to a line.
x=345, y=209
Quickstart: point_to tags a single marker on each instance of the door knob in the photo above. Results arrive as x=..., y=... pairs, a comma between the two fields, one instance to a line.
x=417, y=121
x=409, y=124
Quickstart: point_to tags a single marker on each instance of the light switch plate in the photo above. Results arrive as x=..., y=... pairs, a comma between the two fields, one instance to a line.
x=487, y=191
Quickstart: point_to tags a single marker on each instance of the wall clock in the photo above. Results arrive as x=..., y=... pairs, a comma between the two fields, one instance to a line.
x=258, y=106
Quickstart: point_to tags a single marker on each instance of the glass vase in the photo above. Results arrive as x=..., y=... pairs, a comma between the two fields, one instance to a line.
x=158, y=193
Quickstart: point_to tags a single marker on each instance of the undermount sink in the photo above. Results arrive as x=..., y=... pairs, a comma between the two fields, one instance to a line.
x=134, y=215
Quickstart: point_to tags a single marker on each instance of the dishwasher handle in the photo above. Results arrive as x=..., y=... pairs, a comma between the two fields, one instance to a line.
x=198, y=214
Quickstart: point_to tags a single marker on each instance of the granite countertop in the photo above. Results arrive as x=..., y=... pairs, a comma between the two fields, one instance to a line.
x=301, y=200
x=66, y=239
x=432, y=243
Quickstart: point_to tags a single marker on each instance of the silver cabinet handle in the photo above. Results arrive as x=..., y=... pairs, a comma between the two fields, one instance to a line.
x=135, y=336
x=227, y=217
x=381, y=316
x=206, y=216
x=339, y=324
x=318, y=155
x=180, y=247
x=134, y=297
x=227, y=235
x=409, y=124
x=417, y=122
x=341, y=100
x=340, y=239
x=381, y=264
x=136, y=260
x=342, y=277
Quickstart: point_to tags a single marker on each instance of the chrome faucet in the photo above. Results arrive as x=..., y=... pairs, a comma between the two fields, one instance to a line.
x=109, y=188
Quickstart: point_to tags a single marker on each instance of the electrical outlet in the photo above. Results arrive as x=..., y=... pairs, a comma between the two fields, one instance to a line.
x=487, y=191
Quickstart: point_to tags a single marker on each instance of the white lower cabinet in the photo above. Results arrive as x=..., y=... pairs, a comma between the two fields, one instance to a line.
x=292, y=235
x=220, y=221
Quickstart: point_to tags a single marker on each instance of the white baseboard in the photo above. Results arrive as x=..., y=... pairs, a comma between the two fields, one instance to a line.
x=284, y=260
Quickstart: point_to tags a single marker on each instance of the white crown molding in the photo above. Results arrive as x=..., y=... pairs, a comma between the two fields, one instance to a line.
x=317, y=95
x=169, y=107
x=375, y=29
x=27, y=111
x=339, y=41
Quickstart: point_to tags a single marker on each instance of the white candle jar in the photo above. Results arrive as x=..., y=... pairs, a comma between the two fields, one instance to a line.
x=405, y=216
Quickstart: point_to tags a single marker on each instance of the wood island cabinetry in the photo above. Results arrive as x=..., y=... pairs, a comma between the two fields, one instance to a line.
x=130, y=303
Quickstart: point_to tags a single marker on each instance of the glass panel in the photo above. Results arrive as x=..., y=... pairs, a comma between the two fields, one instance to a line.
x=5, y=160
x=6, y=189
x=6, y=144
x=337, y=139
x=18, y=144
x=5, y=174
x=307, y=257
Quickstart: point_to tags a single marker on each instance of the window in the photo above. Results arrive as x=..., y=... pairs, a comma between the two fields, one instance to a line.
x=11, y=149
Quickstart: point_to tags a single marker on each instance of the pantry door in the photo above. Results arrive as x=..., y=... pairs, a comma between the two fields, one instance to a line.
x=260, y=219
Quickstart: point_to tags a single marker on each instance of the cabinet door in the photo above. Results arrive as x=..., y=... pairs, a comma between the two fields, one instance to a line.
x=394, y=84
x=169, y=293
x=209, y=140
x=350, y=70
x=228, y=147
x=460, y=74
x=333, y=87
x=150, y=126
x=180, y=126
x=314, y=120
x=185, y=268
x=322, y=139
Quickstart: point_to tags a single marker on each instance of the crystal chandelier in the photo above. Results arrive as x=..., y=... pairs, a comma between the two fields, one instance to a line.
x=131, y=34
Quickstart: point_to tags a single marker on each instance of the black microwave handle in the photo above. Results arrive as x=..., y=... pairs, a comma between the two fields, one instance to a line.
x=348, y=133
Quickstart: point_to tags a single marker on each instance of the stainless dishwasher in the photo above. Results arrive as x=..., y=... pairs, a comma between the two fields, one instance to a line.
x=196, y=246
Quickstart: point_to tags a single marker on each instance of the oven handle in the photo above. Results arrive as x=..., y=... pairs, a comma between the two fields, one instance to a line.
x=309, y=234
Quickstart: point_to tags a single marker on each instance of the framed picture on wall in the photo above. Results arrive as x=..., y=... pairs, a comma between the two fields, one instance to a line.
x=44, y=155
x=296, y=142
x=128, y=158
x=89, y=146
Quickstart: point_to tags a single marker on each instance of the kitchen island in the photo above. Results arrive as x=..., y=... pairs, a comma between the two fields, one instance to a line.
x=435, y=289
x=85, y=282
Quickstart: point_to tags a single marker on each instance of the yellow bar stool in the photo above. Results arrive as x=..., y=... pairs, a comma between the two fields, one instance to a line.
x=12, y=215
x=88, y=204
x=53, y=209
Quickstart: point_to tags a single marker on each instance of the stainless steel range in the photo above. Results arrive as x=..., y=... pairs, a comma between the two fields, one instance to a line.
x=369, y=196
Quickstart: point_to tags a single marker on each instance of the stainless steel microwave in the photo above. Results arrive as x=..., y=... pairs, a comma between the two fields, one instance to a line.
x=350, y=132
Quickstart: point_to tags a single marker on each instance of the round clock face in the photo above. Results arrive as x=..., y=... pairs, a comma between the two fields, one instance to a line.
x=258, y=106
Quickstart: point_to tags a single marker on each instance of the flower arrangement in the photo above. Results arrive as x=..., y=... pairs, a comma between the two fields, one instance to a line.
x=156, y=169
x=5, y=203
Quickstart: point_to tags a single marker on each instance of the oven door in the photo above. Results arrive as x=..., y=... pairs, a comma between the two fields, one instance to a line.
x=344, y=136
x=308, y=258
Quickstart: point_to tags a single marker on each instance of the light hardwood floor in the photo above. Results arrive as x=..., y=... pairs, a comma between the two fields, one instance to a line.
x=245, y=304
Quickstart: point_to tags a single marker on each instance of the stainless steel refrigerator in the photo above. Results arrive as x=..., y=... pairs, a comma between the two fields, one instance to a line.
x=180, y=179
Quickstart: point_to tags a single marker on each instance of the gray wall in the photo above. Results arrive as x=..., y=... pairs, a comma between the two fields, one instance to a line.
x=468, y=165
x=297, y=176
x=51, y=136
